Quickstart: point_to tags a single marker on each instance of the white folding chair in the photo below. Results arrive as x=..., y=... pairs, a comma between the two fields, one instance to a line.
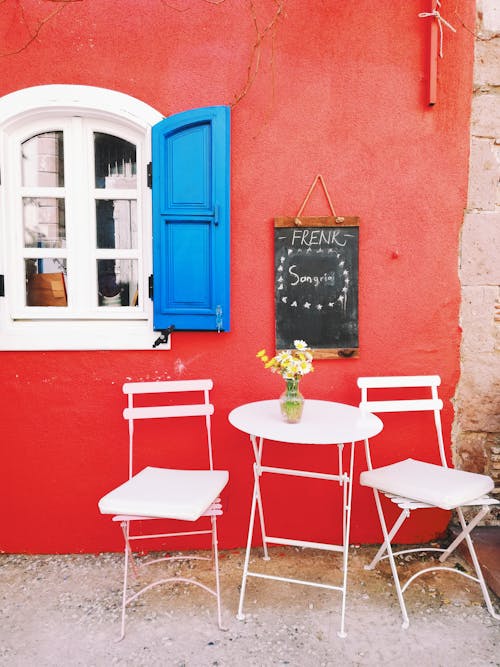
x=166, y=493
x=413, y=484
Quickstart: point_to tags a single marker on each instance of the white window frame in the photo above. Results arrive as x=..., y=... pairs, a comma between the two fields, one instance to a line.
x=32, y=328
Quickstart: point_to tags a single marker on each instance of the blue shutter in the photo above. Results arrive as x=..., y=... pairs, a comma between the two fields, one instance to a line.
x=191, y=220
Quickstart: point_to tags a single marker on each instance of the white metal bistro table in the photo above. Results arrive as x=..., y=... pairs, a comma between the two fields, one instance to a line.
x=323, y=423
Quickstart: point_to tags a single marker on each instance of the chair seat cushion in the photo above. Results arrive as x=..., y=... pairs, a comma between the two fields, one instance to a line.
x=166, y=493
x=433, y=484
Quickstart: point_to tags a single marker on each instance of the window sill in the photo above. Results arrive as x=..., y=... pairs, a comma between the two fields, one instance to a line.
x=78, y=335
x=59, y=315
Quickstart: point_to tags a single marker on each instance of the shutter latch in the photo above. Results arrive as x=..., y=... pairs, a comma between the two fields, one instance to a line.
x=218, y=318
x=163, y=337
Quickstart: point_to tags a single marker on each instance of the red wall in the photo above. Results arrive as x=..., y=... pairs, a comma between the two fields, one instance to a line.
x=343, y=93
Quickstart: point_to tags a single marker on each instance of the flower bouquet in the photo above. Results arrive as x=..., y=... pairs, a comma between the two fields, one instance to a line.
x=291, y=365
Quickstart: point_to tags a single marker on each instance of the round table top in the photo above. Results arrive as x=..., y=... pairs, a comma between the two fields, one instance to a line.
x=322, y=423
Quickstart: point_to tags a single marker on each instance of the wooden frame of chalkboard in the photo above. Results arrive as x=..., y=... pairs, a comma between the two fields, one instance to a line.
x=316, y=284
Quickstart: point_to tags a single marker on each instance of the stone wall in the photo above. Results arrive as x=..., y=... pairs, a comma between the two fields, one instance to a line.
x=477, y=401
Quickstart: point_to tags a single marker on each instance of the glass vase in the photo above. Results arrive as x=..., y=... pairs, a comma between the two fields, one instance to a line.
x=291, y=402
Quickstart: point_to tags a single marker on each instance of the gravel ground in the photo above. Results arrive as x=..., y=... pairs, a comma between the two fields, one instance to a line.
x=65, y=610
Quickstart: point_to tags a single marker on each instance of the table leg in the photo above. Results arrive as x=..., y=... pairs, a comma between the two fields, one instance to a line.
x=345, y=481
x=347, y=499
x=258, y=449
x=240, y=615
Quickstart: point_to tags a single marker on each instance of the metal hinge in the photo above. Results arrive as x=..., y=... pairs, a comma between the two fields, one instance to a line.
x=2, y=285
x=150, y=174
x=150, y=286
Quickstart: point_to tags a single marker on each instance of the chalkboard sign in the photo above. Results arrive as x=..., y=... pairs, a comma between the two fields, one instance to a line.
x=316, y=284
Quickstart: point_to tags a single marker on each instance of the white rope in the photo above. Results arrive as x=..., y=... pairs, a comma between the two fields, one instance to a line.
x=435, y=14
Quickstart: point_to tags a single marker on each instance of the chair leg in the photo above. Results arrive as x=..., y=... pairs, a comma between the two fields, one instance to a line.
x=380, y=553
x=127, y=555
x=464, y=535
x=215, y=547
x=477, y=567
x=390, y=555
x=466, y=530
x=129, y=561
x=125, y=526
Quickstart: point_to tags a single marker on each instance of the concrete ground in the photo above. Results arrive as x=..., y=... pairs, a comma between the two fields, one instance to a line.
x=65, y=610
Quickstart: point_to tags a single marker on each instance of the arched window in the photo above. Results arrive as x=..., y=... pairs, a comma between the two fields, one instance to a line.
x=76, y=220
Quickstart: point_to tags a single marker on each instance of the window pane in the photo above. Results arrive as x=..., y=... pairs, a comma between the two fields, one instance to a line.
x=115, y=162
x=43, y=160
x=46, y=282
x=44, y=222
x=117, y=280
x=116, y=222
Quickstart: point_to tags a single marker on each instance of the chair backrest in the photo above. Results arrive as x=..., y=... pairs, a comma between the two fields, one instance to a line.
x=196, y=408
x=433, y=404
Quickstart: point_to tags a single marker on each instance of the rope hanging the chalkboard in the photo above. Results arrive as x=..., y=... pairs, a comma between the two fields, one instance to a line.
x=320, y=178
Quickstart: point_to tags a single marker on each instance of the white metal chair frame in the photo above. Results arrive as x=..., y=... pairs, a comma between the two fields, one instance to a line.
x=132, y=413
x=407, y=504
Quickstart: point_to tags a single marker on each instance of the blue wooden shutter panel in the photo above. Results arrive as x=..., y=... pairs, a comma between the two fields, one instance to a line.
x=191, y=223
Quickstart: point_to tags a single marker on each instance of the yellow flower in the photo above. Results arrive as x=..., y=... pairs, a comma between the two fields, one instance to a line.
x=290, y=364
